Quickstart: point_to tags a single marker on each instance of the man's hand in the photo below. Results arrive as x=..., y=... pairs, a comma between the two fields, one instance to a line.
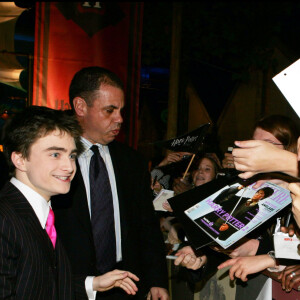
x=255, y=157
x=187, y=258
x=157, y=293
x=243, y=266
x=116, y=278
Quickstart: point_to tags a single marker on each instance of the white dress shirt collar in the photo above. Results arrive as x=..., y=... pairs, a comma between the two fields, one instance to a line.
x=87, y=145
x=39, y=204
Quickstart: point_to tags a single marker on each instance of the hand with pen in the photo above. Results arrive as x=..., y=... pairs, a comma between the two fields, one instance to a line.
x=186, y=257
x=155, y=185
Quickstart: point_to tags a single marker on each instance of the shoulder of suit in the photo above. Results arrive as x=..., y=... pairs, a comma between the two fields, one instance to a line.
x=8, y=199
x=116, y=147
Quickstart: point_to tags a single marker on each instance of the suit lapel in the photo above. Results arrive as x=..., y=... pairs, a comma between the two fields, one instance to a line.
x=31, y=221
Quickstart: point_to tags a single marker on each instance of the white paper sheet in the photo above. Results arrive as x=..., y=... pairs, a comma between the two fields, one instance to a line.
x=288, y=83
x=161, y=198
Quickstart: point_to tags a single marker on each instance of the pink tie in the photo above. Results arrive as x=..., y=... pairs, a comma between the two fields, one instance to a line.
x=50, y=227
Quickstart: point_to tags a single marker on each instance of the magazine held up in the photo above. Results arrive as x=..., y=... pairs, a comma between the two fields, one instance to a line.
x=232, y=212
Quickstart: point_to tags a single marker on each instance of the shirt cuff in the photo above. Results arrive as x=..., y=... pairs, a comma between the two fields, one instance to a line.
x=89, y=288
x=276, y=269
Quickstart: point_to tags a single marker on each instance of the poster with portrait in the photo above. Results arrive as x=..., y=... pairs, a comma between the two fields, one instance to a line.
x=233, y=211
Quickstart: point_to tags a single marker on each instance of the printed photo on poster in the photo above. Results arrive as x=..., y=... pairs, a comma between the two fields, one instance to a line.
x=233, y=211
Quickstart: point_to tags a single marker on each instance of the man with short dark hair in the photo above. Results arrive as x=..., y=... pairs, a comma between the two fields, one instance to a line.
x=41, y=146
x=123, y=231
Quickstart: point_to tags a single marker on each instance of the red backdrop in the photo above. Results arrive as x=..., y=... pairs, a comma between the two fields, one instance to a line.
x=73, y=35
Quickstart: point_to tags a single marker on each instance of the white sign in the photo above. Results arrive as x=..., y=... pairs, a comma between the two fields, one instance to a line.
x=288, y=82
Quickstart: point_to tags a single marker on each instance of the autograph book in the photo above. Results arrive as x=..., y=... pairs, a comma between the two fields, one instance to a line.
x=234, y=210
x=161, y=198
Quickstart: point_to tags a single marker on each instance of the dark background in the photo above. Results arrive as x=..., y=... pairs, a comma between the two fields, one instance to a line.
x=220, y=42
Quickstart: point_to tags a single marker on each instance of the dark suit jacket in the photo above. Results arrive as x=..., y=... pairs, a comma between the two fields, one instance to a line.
x=29, y=266
x=142, y=244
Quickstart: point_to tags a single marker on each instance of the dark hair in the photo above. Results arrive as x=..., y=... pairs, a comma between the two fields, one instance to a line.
x=267, y=190
x=283, y=128
x=88, y=80
x=33, y=123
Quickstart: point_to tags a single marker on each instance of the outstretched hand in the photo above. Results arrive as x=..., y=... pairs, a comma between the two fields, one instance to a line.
x=243, y=266
x=116, y=278
x=256, y=156
x=173, y=157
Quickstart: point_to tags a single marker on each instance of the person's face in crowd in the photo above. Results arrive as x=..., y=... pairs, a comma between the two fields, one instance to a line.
x=263, y=135
x=50, y=166
x=102, y=121
x=258, y=195
x=204, y=173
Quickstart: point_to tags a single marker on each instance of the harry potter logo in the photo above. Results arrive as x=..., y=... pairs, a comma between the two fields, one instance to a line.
x=184, y=141
x=92, y=16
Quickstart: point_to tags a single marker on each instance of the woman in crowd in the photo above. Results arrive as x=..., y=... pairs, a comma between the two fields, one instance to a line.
x=204, y=169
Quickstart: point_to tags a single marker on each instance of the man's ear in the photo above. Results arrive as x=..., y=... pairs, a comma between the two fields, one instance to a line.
x=80, y=106
x=19, y=161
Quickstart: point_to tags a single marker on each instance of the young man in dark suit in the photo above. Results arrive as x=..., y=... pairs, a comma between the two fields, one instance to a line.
x=41, y=146
x=131, y=233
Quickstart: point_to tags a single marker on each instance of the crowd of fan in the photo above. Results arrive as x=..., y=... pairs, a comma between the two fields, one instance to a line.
x=273, y=149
